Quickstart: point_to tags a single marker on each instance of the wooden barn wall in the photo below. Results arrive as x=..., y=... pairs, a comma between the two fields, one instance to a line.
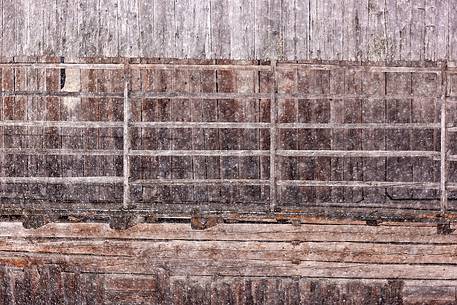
x=222, y=135
x=361, y=30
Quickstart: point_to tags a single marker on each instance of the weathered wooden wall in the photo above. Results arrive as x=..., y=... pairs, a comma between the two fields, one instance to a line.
x=362, y=30
x=330, y=263
x=223, y=135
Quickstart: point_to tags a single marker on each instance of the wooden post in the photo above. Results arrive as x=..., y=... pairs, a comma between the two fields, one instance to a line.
x=443, y=157
x=126, y=135
x=273, y=122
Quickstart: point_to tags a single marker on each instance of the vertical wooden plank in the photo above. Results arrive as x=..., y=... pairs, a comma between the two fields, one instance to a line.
x=391, y=29
x=403, y=22
x=268, y=42
x=418, y=30
x=22, y=28
x=452, y=38
x=129, y=32
x=377, y=42
x=351, y=29
x=220, y=32
x=69, y=28
x=440, y=30
x=333, y=22
x=93, y=288
x=289, y=27
x=146, y=27
x=242, y=20
x=314, y=30
x=50, y=28
x=108, y=40
x=35, y=28
x=88, y=30
x=431, y=31
x=192, y=20
x=126, y=139
x=73, y=294
x=302, y=18
x=8, y=13
x=164, y=29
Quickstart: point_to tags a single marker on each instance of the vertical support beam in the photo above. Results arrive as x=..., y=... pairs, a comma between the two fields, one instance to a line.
x=443, y=129
x=273, y=137
x=126, y=137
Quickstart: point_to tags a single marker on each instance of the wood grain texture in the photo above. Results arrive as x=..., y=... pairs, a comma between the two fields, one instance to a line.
x=368, y=30
x=320, y=262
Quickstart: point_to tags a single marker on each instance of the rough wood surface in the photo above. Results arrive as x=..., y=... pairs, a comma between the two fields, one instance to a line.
x=163, y=135
x=254, y=29
x=324, y=262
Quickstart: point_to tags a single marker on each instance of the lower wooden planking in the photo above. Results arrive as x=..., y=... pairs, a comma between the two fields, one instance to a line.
x=330, y=262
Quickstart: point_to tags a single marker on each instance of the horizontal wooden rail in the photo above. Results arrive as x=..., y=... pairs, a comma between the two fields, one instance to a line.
x=357, y=153
x=62, y=180
x=237, y=125
x=362, y=184
x=200, y=181
x=214, y=153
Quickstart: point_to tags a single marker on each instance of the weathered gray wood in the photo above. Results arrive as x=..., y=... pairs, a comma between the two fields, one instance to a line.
x=129, y=31
x=164, y=29
x=108, y=31
x=263, y=29
x=242, y=22
x=88, y=28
